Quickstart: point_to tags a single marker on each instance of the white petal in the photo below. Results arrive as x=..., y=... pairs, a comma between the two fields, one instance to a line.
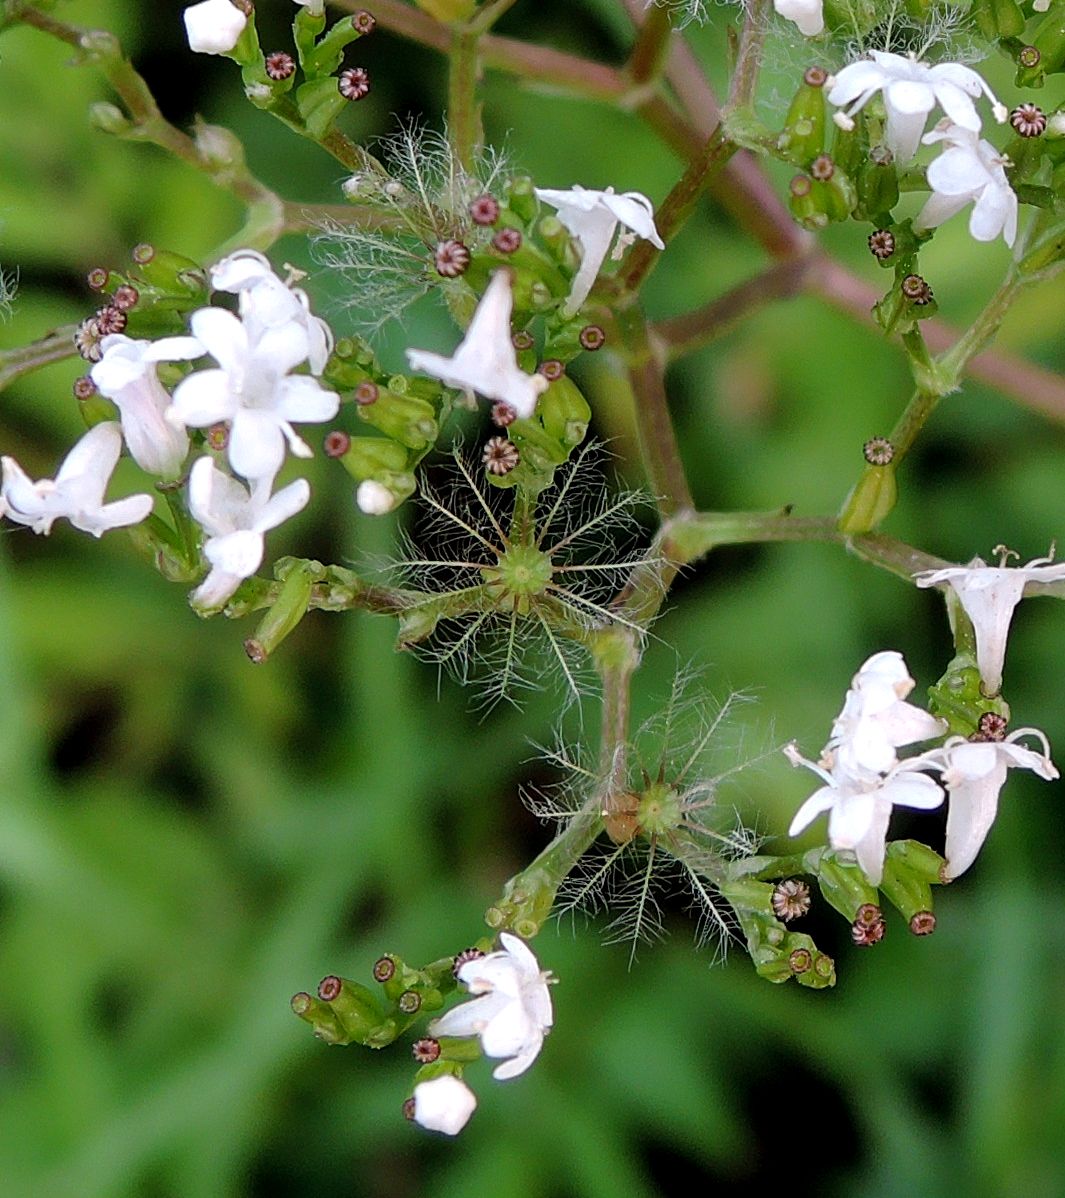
x=237, y=553
x=284, y=505
x=119, y=514
x=903, y=133
x=807, y=15
x=861, y=78
x=256, y=444
x=213, y=27
x=202, y=399
x=374, y=498
x=972, y=810
x=636, y=212
x=443, y=1104
x=820, y=801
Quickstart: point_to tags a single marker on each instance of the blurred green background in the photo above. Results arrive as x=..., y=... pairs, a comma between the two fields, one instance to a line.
x=187, y=839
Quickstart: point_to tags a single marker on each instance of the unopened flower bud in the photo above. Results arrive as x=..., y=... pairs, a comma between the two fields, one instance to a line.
x=84, y=388
x=500, y=456
x=384, y=969
x=354, y=83
x=1028, y=120
x=551, y=369
x=279, y=65
x=336, y=443
x=878, y=451
x=125, y=297
x=373, y=498
x=409, y=1002
x=366, y=393
x=484, y=210
x=800, y=960
x=506, y=241
x=791, y=899
x=110, y=320
x=923, y=923
x=217, y=436
x=363, y=22
x=451, y=259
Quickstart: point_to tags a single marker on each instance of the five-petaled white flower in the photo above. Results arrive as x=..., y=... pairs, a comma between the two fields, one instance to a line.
x=875, y=720
x=859, y=806
x=253, y=389
x=911, y=90
x=235, y=520
x=214, y=27
x=988, y=595
x=485, y=360
x=969, y=171
x=974, y=773
x=126, y=375
x=266, y=301
x=77, y=491
x=444, y=1103
x=592, y=217
x=513, y=1011
x=808, y=15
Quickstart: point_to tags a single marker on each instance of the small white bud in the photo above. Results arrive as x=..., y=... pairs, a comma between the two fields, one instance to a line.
x=375, y=500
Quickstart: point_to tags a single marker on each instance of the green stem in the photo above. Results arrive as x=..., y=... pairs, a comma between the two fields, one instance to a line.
x=463, y=117
x=23, y=359
x=651, y=47
x=749, y=59
x=657, y=437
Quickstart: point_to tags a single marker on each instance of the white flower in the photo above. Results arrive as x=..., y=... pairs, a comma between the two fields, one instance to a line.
x=444, y=1104
x=77, y=491
x=126, y=375
x=592, y=217
x=973, y=772
x=315, y=7
x=266, y=302
x=988, y=595
x=875, y=720
x=253, y=389
x=374, y=498
x=859, y=806
x=911, y=90
x=969, y=171
x=214, y=27
x=485, y=360
x=235, y=520
x=513, y=1012
x=807, y=14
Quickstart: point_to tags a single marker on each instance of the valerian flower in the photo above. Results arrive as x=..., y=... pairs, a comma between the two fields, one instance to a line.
x=485, y=360
x=77, y=491
x=444, y=1103
x=911, y=90
x=859, y=806
x=513, y=1011
x=267, y=302
x=969, y=171
x=253, y=389
x=236, y=519
x=592, y=217
x=875, y=720
x=974, y=773
x=988, y=595
x=126, y=375
x=214, y=27
x=808, y=15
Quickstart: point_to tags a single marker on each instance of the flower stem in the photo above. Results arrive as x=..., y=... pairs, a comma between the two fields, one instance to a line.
x=463, y=116
x=651, y=47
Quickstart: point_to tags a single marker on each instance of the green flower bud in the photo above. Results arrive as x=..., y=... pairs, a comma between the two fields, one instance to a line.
x=878, y=186
x=327, y=55
x=168, y=276
x=521, y=197
x=307, y=27
x=557, y=241
x=1046, y=253
x=404, y=418
x=917, y=859
x=872, y=499
x=355, y=1007
x=109, y=118
x=321, y=1017
x=803, y=137
x=998, y=18
x=369, y=457
x=320, y=103
x=564, y=412
x=1049, y=44
x=297, y=577
x=905, y=889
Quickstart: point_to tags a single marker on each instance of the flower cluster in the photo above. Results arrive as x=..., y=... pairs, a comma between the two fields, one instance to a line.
x=250, y=398
x=864, y=777
x=969, y=170
x=511, y=1014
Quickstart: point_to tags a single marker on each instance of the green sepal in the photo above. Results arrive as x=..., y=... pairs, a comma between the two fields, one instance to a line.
x=878, y=191
x=357, y=1010
x=525, y=904
x=873, y=497
x=1048, y=252
x=247, y=51
x=405, y=418
x=320, y=103
x=369, y=457
x=918, y=859
x=328, y=53
x=170, y=275
x=908, y=892
x=803, y=137
x=843, y=885
x=958, y=698
x=307, y=27
x=558, y=242
x=161, y=545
